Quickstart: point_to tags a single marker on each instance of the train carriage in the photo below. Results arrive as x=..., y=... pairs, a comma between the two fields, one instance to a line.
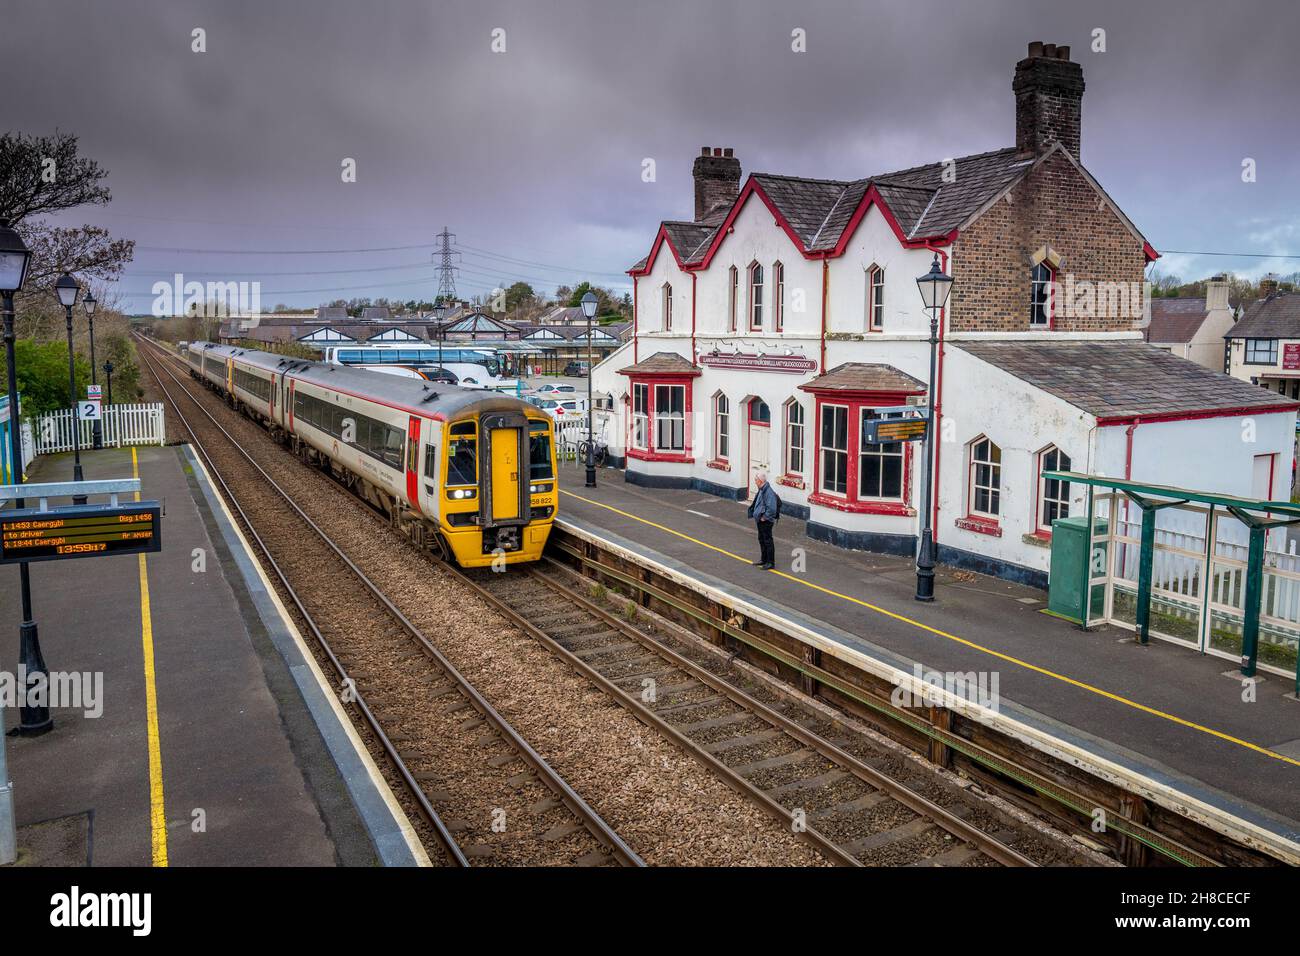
x=469, y=472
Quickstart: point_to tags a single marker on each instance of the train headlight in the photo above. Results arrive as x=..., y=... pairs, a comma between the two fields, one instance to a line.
x=461, y=493
x=538, y=489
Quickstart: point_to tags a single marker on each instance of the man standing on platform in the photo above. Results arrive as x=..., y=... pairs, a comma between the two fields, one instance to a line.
x=765, y=509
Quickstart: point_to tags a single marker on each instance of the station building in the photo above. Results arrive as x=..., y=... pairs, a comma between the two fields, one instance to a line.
x=785, y=314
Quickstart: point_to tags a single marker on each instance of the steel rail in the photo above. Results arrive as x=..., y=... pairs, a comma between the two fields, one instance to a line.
x=591, y=820
x=869, y=775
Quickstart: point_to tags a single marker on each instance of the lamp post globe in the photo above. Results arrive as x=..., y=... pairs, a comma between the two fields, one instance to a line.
x=589, y=304
x=934, y=287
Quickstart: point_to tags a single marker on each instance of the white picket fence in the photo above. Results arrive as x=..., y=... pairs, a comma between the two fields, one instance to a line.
x=122, y=425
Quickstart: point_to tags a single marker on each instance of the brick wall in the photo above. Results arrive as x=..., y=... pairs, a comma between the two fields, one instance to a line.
x=1056, y=206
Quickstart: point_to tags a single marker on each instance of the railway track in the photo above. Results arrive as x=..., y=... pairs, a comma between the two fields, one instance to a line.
x=850, y=811
x=439, y=734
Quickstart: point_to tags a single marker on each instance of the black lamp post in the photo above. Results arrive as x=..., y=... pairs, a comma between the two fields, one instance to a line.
x=108, y=374
x=934, y=286
x=14, y=256
x=88, y=303
x=589, y=303
x=67, y=289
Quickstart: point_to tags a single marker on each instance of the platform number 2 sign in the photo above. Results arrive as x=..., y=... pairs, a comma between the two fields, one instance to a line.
x=89, y=409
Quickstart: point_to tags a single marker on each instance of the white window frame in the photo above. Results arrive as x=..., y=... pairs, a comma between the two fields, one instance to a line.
x=823, y=450
x=994, y=489
x=1253, y=352
x=896, y=449
x=670, y=417
x=721, y=427
x=791, y=428
x=875, y=299
x=733, y=276
x=1063, y=502
x=641, y=417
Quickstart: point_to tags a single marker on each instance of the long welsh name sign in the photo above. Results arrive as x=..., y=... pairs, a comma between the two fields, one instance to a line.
x=80, y=531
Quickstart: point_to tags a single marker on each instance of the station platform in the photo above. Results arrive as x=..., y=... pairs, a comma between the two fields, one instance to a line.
x=217, y=741
x=1167, y=713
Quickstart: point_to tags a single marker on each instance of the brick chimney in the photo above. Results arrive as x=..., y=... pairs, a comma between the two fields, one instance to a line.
x=1049, y=90
x=1268, y=286
x=717, y=180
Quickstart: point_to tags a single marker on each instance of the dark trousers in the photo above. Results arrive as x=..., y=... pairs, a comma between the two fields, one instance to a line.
x=765, y=543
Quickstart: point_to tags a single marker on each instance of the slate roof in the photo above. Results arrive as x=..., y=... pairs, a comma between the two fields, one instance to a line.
x=1122, y=379
x=662, y=363
x=864, y=377
x=1277, y=317
x=1175, y=321
x=819, y=210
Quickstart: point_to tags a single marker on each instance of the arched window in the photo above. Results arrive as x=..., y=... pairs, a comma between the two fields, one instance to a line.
x=755, y=297
x=721, y=427
x=1053, y=493
x=778, y=296
x=985, y=478
x=733, y=301
x=1042, y=305
x=875, y=299
x=667, y=310
x=794, y=438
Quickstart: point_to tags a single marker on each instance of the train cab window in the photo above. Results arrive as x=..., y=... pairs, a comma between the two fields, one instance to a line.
x=462, y=455
x=431, y=462
x=539, y=452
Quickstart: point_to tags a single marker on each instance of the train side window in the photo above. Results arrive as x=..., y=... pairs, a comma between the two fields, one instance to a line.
x=393, y=448
x=539, y=452
x=431, y=462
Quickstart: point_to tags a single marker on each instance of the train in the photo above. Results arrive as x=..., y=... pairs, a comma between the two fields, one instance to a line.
x=469, y=474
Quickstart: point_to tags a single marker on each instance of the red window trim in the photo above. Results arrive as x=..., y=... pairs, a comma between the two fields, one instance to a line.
x=778, y=296
x=792, y=478
x=685, y=380
x=719, y=461
x=974, y=521
x=749, y=305
x=733, y=276
x=850, y=502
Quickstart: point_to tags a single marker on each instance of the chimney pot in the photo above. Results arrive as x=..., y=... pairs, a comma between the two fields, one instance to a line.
x=704, y=150
x=717, y=150
x=1063, y=53
x=727, y=152
x=1036, y=48
x=1049, y=50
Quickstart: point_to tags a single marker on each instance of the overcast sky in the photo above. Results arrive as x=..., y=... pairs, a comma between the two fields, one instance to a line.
x=533, y=156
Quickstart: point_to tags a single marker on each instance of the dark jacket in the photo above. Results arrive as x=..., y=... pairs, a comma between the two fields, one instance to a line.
x=764, y=507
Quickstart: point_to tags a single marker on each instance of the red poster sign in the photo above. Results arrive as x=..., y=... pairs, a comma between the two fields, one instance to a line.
x=1291, y=356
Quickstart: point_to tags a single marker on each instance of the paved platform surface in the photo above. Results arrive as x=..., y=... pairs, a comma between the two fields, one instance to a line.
x=1162, y=709
x=248, y=746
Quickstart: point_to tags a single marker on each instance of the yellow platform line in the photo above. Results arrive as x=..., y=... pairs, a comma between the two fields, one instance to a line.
x=1081, y=685
x=157, y=806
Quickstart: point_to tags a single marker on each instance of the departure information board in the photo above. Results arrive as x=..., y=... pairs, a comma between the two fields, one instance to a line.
x=80, y=531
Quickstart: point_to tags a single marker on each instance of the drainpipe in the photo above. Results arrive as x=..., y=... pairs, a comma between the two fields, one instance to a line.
x=826, y=285
x=635, y=324
x=938, y=404
x=1128, y=449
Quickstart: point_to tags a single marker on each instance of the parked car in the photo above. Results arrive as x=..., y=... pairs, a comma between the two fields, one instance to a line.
x=553, y=389
x=563, y=408
x=576, y=369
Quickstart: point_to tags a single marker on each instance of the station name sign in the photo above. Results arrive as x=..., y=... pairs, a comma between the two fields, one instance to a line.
x=80, y=531
x=794, y=364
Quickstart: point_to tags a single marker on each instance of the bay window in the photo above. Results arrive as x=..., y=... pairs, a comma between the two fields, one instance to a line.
x=640, y=415
x=670, y=418
x=835, y=449
x=880, y=466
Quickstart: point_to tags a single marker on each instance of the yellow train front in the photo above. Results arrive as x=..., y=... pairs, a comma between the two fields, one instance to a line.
x=468, y=472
